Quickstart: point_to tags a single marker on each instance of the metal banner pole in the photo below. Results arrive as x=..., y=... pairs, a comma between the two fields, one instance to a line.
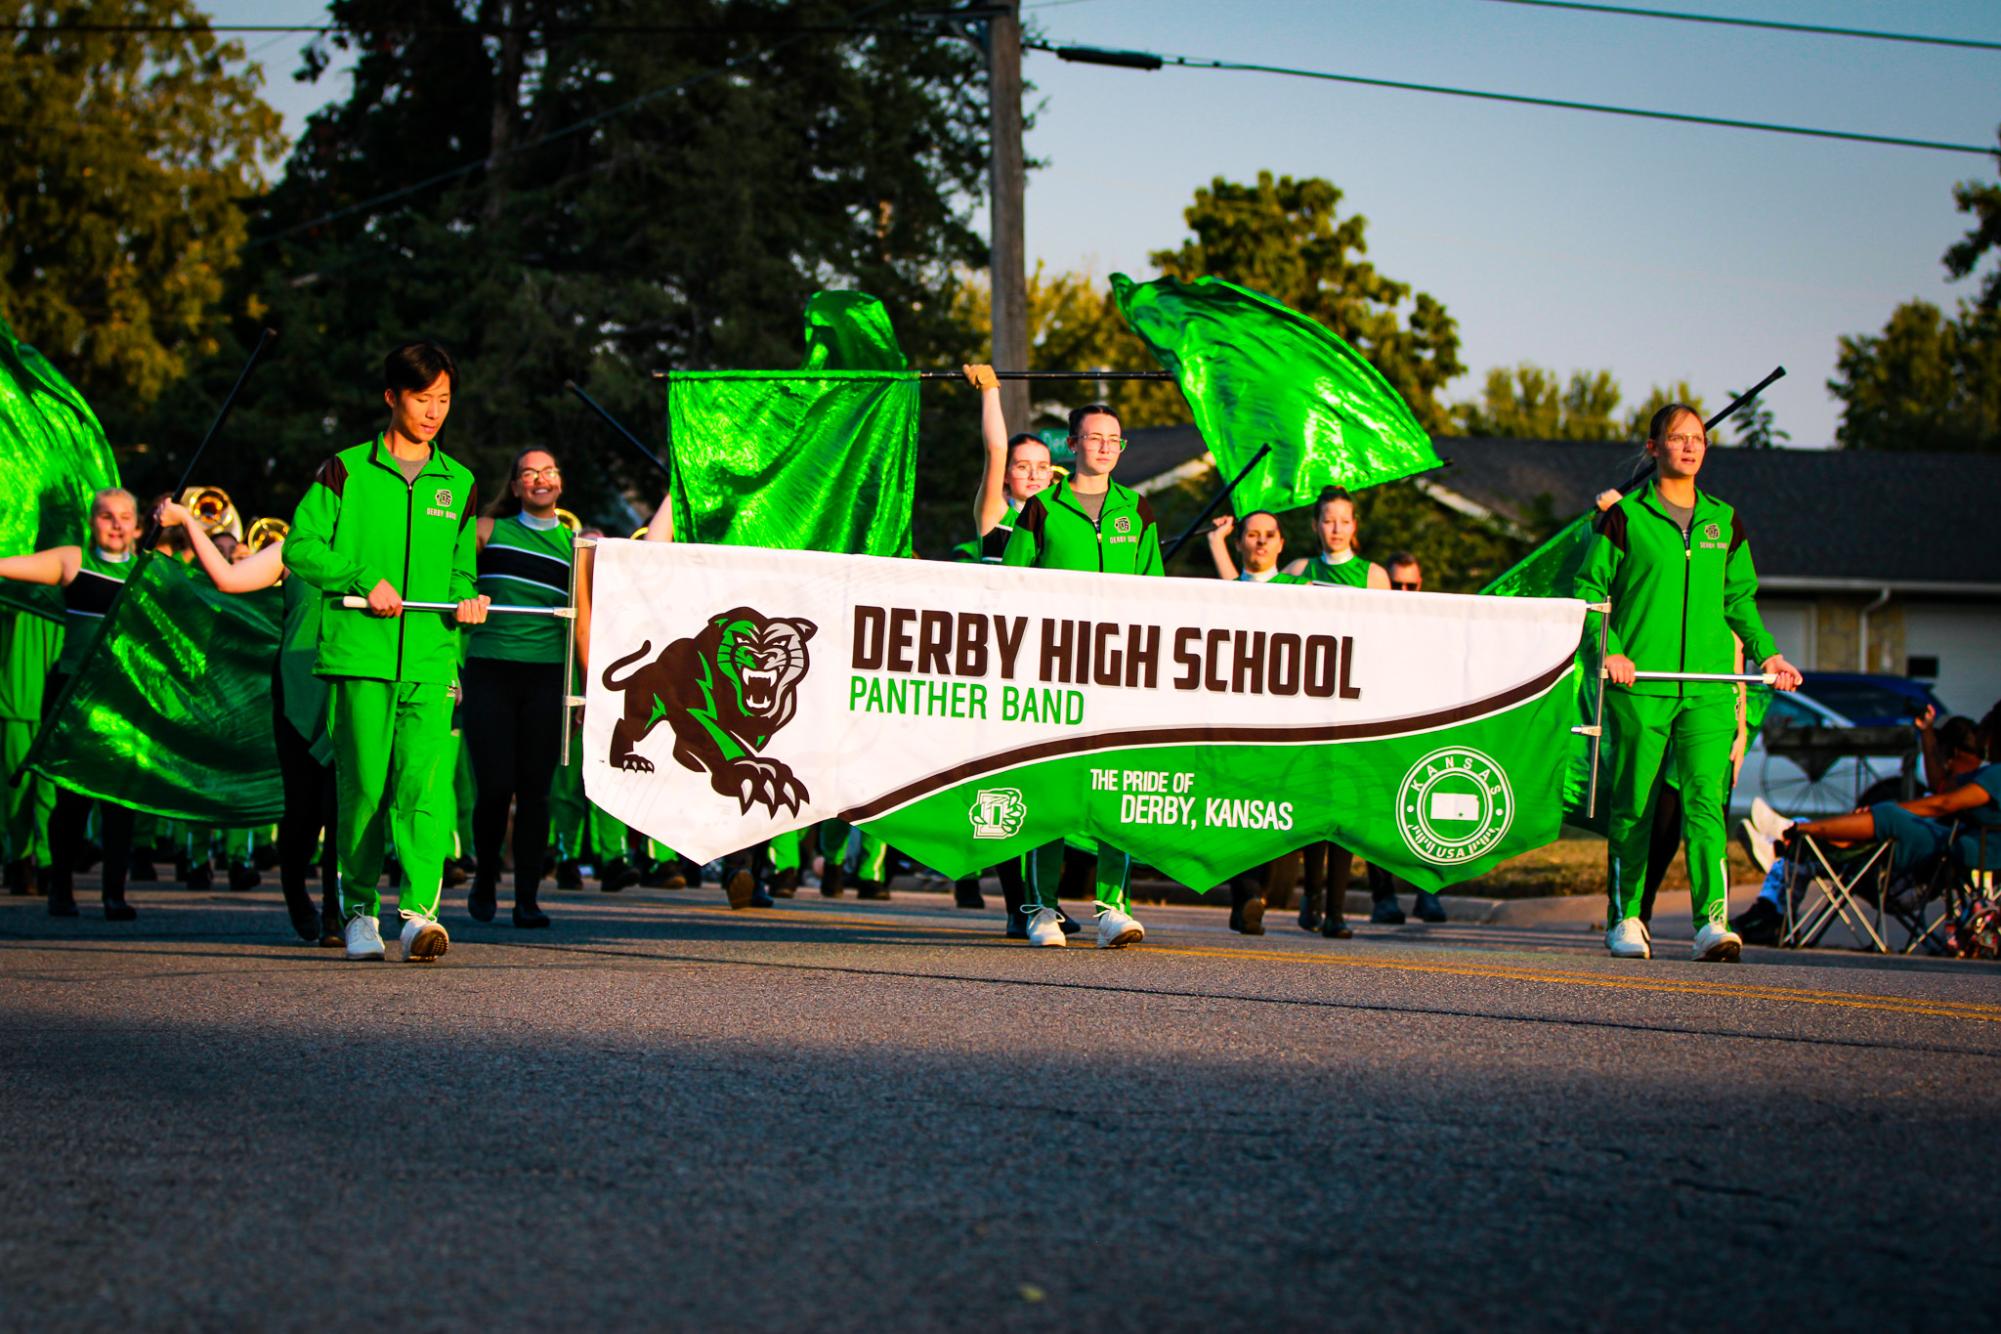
x=577, y=548
x=355, y=602
x=1604, y=610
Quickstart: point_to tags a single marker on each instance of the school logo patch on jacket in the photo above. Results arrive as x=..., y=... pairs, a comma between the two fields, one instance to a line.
x=443, y=500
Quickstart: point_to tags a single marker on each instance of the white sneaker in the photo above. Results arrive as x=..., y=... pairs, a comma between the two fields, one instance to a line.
x=424, y=941
x=1762, y=846
x=1117, y=930
x=1766, y=820
x=1716, y=943
x=364, y=939
x=1046, y=928
x=1628, y=940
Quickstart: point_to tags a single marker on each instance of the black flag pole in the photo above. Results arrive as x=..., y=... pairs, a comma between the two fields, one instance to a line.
x=1105, y=376
x=1214, y=501
x=619, y=426
x=146, y=545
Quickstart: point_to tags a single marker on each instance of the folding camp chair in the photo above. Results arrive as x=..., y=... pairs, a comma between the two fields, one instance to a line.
x=1841, y=876
x=1954, y=887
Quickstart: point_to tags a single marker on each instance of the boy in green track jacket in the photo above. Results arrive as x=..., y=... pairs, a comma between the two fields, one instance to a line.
x=1676, y=565
x=392, y=519
x=1086, y=522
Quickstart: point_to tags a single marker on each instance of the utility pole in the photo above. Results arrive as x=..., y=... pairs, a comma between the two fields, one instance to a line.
x=1009, y=264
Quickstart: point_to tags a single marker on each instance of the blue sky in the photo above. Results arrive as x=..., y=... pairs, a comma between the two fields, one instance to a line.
x=1658, y=251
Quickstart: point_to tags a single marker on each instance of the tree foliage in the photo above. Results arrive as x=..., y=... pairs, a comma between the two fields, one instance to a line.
x=126, y=159
x=1926, y=382
x=1530, y=402
x=1981, y=199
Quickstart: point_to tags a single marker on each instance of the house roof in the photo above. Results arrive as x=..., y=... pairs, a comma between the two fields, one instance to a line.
x=1816, y=518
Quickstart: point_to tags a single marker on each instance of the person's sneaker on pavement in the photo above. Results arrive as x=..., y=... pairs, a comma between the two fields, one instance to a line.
x=1716, y=944
x=1045, y=928
x=1761, y=923
x=364, y=939
x=1427, y=907
x=1386, y=913
x=1118, y=929
x=424, y=941
x=740, y=887
x=1628, y=940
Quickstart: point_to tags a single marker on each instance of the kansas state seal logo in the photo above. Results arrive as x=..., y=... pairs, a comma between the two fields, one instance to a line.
x=1454, y=805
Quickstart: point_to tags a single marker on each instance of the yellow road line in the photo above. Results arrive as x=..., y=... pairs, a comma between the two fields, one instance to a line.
x=1937, y=1009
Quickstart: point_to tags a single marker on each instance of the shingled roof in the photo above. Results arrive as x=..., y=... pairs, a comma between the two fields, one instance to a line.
x=1817, y=518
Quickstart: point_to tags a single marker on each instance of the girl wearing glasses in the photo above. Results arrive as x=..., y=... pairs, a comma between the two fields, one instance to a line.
x=514, y=685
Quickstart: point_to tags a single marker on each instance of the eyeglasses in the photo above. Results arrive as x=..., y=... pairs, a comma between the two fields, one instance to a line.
x=1095, y=441
x=1687, y=438
x=1030, y=469
x=549, y=474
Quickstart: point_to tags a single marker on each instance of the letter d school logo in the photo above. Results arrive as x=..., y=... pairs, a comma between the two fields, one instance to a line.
x=997, y=812
x=1454, y=805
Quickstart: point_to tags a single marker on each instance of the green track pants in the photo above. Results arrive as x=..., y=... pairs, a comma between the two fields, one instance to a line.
x=1045, y=873
x=1639, y=731
x=394, y=761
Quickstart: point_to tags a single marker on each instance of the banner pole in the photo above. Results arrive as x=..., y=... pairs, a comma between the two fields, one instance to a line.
x=1214, y=501
x=577, y=547
x=1598, y=710
x=619, y=426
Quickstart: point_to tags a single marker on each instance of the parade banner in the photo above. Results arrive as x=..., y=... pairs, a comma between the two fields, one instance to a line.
x=968, y=713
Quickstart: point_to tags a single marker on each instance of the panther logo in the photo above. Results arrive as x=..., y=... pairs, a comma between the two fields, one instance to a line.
x=724, y=692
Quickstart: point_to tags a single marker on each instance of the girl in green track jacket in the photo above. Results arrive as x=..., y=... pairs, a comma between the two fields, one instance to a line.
x=1675, y=564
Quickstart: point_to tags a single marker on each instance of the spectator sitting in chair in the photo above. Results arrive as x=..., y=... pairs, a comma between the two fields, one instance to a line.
x=1964, y=822
x=1953, y=752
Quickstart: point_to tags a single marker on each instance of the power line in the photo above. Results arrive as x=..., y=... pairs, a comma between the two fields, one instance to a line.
x=1775, y=25
x=1147, y=59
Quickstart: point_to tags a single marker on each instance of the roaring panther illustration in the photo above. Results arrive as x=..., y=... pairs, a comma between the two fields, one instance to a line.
x=724, y=692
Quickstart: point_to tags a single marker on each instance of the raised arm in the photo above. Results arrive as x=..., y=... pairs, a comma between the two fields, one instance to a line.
x=660, y=528
x=262, y=570
x=57, y=565
x=990, y=503
x=1219, y=547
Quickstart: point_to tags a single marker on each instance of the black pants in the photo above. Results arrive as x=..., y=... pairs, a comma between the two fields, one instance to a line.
x=71, y=817
x=513, y=727
x=307, y=823
x=1325, y=870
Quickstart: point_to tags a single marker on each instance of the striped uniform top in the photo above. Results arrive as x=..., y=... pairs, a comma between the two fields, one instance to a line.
x=1351, y=573
x=524, y=566
x=87, y=598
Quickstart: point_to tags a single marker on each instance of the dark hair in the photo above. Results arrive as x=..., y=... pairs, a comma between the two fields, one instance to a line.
x=1665, y=418
x=1243, y=521
x=1957, y=734
x=1401, y=558
x=505, y=502
x=1023, y=438
x=414, y=366
x=1077, y=415
x=1328, y=495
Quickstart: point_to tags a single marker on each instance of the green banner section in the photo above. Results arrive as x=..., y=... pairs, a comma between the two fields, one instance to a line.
x=172, y=713
x=1258, y=373
x=801, y=460
x=53, y=458
x=1436, y=807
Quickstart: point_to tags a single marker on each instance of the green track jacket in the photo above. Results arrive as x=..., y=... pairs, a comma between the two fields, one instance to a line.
x=1675, y=600
x=1053, y=533
x=360, y=523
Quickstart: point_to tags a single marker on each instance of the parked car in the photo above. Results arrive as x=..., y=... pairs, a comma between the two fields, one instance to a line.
x=1871, y=700
x=1790, y=789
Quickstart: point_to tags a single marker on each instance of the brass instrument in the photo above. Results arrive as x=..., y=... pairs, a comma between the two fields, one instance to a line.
x=640, y=531
x=213, y=510
x=569, y=521
x=266, y=531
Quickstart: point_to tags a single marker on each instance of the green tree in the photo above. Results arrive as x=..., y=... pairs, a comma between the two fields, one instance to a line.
x=1530, y=402
x=1659, y=397
x=557, y=199
x=1925, y=382
x=1982, y=199
x=126, y=159
x=1754, y=426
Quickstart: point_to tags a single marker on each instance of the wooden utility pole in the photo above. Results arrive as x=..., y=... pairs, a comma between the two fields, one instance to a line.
x=1009, y=263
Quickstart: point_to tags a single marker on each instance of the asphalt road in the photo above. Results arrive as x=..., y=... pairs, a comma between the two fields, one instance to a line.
x=863, y=1116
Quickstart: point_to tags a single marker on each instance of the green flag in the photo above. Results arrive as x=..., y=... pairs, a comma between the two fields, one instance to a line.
x=850, y=331
x=1257, y=373
x=53, y=458
x=171, y=712
x=819, y=459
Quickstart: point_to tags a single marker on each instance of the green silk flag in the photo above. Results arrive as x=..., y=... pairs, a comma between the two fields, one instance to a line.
x=1257, y=373
x=171, y=713
x=819, y=459
x=53, y=459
